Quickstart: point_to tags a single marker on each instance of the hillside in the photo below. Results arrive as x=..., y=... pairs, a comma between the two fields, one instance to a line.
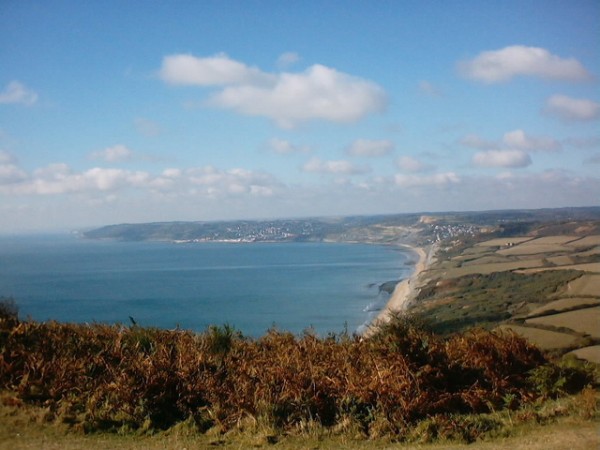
x=543, y=286
x=408, y=228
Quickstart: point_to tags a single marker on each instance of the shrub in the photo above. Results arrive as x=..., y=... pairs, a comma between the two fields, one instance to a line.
x=568, y=376
x=105, y=377
x=8, y=309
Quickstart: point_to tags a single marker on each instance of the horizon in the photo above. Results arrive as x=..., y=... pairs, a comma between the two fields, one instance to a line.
x=223, y=111
x=62, y=231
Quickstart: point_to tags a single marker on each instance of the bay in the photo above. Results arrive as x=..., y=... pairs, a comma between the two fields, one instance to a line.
x=329, y=287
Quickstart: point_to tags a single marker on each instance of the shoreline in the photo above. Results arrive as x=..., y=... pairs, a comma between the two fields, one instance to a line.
x=404, y=291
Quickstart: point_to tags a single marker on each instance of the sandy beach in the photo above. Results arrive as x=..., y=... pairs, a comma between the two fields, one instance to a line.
x=404, y=291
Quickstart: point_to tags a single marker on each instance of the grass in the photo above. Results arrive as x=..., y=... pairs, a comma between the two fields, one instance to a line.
x=589, y=267
x=587, y=241
x=565, y=304
x=591, y=353
x=545, y=339
x=585, y=320
x=533, y=248
x=501, y=242
x=556, y=239
x=485, y=299
x=516, y=281
x=587, y=285
x=568, y=422
x=486, y=269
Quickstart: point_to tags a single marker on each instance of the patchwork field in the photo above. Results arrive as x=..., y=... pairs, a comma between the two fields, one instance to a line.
x=586, y=241
x=534, y=248
x=582, y=321
x=494, y=282
x=526, y=254
x=587, y=285
x=590, y=252
x=565, y=304
x=589, y=267
x=502, y=242
x=591, y=353
x=545, y=339
x=487, y=268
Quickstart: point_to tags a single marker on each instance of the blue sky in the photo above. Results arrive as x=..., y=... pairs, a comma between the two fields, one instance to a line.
x=136, y=111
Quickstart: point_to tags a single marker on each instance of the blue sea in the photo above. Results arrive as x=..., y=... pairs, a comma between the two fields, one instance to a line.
x=329, y=287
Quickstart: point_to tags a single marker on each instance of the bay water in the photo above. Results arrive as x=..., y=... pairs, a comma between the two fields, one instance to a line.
x=329, y=287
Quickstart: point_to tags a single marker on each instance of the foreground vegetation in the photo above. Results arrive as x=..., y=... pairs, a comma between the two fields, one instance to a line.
x=553, y=425
x=404, y=384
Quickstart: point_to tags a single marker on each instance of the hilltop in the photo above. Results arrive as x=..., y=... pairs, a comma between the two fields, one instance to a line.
x=416, y=228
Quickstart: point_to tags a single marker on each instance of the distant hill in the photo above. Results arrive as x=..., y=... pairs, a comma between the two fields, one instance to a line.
x=281, y=230
x=418, y=228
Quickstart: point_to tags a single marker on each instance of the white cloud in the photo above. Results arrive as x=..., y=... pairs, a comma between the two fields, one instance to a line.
x=287, y=59
x=283, y=147
x=437, y=180
x=58, y=196
x=200, y=182
x=338, y=167
x=171, y=173
x=17, y=93
x=570, y=109
x=218, y=70
x=410, y=164
x=10, y=172
x=365, y=147
x=502, y=65
x=212, y=182
x=116, y=153
x=502, y=158
x=60, y=179
x=518, y=139
x=318, y=93
x=289, y=99
x=513, y=140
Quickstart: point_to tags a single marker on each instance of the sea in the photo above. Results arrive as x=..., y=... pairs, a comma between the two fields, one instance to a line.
x=320, y=288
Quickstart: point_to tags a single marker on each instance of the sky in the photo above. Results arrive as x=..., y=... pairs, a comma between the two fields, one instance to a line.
x=144, y=111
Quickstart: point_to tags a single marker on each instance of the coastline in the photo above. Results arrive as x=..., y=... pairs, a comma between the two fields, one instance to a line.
x=405, y=290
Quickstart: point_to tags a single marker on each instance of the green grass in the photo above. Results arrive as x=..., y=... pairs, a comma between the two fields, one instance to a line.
x=568, y=422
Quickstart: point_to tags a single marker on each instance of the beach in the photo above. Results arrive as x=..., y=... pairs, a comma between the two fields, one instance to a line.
x=404, y=291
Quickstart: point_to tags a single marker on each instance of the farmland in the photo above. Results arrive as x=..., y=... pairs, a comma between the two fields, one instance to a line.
x=543, y=287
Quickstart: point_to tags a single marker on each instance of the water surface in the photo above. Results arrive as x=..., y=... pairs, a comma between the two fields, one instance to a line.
x=293, y=286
